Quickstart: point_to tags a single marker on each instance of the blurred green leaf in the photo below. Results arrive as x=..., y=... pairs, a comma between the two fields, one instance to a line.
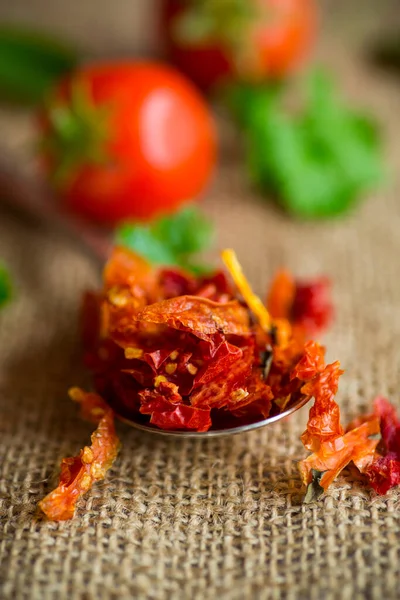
x=5, y=286
x=170, y=240
x=319, y=160
x=30, y=63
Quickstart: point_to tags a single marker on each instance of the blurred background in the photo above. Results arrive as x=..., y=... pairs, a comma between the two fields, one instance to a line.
x=346, y=39
x=131, y=26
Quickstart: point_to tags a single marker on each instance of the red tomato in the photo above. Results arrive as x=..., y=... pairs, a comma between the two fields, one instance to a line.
x=140, y=142
x=275, y=39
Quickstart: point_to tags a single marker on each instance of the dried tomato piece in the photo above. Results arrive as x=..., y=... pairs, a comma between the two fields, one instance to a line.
x=121, y=392
x=390, y=424
x=200, y=316
x=215, y=287
x=226, y=387
x=229, y=389
x=324, y=417
x=78, y=473
x=182, y=417
x=125, y=269
x=281, y=295
x=333, y=455
x=223, y=358
x=384, y=472
x=312, y=306
x=306, y=304
x=176, y=282
x=287, y=355
x=167, y=411
x=258, y=399
x=311, y=363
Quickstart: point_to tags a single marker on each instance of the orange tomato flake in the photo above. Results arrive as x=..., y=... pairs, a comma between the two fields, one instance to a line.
x=79, y=473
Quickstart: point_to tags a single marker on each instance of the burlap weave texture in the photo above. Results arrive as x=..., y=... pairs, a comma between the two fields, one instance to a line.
x=213, y=519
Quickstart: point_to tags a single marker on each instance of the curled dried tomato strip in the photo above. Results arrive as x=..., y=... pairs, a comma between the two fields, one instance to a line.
x=311, y=364
x=200, y=316
x=324, y=417
x=79, y=473
x=357, y=445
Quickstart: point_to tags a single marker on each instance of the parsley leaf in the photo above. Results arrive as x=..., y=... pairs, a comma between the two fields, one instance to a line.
x=169, y=240
x=317, y=161
x=31, y=62
x=5, y=286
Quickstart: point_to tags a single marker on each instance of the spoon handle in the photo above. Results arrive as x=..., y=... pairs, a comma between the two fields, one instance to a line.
x=26, y=194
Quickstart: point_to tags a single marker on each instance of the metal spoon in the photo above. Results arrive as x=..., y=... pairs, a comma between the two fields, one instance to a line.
x=213, y=433
x=32, y=198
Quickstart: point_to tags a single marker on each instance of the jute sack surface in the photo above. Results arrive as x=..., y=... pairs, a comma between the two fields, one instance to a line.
x=188, y=519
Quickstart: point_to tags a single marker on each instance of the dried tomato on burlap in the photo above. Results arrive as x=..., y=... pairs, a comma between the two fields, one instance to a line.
x=306, y=304
x=320, y=469
x=181, y=352
x=79, y=473
x=332, y=449
x=384, y=472
x=371, y=442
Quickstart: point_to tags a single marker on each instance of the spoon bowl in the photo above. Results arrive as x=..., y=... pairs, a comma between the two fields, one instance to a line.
x=221, y=432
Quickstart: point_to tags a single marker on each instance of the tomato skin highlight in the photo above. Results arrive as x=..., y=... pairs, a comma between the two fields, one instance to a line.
x=160, y=146
x=281, y=39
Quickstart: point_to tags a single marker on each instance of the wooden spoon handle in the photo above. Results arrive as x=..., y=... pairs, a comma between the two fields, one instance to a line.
x=27, y=195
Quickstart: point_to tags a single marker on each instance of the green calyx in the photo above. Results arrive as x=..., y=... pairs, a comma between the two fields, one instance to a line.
x=226, y=22
x=77, y=134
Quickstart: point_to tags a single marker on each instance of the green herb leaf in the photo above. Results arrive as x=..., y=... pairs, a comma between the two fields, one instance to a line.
x=5, y=286
x=169, y=240
x=318, y=161
x=30, y=63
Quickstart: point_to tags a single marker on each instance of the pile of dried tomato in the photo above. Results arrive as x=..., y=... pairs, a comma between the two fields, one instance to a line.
x=187, y=353
x=180, y=352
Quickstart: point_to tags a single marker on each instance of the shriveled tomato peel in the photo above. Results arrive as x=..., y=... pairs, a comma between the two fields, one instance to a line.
x=371, y=443
x=79, y=473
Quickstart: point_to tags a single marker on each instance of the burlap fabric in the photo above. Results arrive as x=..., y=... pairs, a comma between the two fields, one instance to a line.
x=188, y=519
